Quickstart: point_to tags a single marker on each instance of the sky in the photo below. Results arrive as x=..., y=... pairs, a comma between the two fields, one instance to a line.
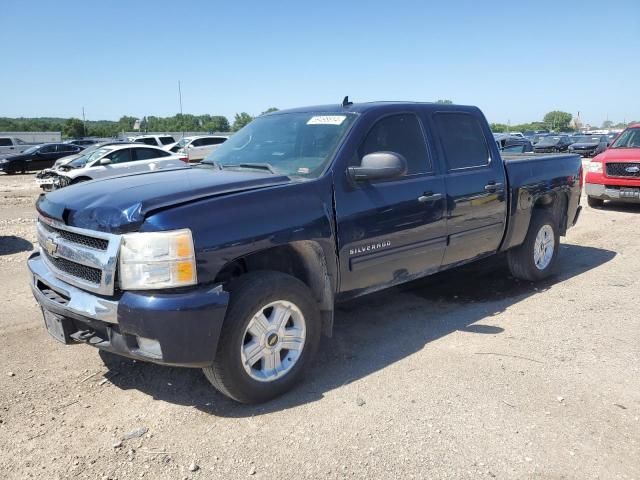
x=516, y=60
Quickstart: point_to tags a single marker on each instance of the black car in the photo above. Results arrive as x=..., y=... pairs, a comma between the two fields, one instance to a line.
x=37, y=158
x=552, y=143
x=589, y=145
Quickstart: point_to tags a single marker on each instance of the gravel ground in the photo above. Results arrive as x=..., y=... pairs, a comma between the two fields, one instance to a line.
x=467, y=374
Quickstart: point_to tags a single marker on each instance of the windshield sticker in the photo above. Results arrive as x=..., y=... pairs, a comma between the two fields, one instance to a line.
x=326, y=120
x=303, y=170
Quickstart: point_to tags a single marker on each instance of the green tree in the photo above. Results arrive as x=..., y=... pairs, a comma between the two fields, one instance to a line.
x=498, y=127
x=126, y=123
x=445, y=102
x=73, y=128
x=607, y=124
x=216, y=123
x=557, y=120
x=240, y=120
x=269, y=110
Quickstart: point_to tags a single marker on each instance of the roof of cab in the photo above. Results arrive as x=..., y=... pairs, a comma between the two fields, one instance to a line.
x=377, y=106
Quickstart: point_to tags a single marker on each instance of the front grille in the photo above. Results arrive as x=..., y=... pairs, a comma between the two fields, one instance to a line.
x=88, y=274
x=87, y=241
x=623, y=169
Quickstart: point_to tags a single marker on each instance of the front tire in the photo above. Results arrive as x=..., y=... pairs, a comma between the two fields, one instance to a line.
x=595, y=202
x=270, y=335
x=536, y=257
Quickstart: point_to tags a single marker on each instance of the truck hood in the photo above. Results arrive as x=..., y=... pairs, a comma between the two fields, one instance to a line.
x=620, y=155
x=120, y=204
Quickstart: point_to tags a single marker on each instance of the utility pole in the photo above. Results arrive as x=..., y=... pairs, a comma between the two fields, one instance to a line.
x=180, y=96
x=84, y=123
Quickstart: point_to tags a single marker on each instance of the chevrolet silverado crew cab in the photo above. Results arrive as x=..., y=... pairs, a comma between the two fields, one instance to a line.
x=235, y=265
x=615, y=173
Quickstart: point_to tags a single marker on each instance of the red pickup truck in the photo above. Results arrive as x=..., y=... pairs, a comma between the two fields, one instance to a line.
x=615, y=173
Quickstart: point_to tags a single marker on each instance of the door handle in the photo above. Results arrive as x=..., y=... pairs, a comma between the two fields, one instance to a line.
x=492, y=186
x=429, y=197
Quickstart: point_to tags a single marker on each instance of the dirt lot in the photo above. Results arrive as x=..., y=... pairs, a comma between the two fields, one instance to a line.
x=468, y=374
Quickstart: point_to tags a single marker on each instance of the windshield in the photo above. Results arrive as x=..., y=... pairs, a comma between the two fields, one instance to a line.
x=630, y=138
x=293, y=144
x=550, y=140
x=89, y=157
x=32, y=150
x=183, y=142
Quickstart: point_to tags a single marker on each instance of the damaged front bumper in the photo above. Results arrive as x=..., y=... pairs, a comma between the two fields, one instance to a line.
x=168, y=328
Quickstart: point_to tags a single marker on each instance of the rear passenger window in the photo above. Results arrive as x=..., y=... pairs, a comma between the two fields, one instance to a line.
x=148, y=153
x=462, y=139
x=400, y=134
x=167, y=140
x=5, y=142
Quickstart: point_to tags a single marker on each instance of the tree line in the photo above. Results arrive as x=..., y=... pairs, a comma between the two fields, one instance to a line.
x=75, y=127
x=556, y=121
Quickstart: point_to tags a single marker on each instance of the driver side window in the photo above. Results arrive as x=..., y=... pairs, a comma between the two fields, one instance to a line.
x=400, y=134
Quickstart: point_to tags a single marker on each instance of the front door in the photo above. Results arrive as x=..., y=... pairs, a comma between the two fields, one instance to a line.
x=395, y=230
x=476, y=186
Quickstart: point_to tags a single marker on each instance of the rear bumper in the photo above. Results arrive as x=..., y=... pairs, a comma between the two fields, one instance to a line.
x=178, y=329
x=605, y=192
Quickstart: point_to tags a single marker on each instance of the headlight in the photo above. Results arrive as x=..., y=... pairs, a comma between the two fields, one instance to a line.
x=595, y=167
x=157, y=260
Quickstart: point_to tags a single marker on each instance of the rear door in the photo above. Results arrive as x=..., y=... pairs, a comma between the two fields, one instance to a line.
x=394, y=230
x=149, y=159
x=475, y=184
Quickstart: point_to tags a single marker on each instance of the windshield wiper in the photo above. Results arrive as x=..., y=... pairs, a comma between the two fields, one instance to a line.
x=257, y=166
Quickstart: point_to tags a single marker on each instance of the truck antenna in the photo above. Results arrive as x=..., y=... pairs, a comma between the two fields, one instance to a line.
x=346, y=102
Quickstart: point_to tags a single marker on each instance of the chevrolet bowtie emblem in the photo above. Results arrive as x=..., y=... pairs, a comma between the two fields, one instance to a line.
x=51, y=246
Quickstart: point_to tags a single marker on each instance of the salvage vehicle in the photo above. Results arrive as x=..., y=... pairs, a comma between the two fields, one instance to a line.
x=235, y=265
x=589, y=145
x=615, y=173
x=86, y=151
x=552, y=144
x=38, y=157
x=108, y=161
x=196, y=148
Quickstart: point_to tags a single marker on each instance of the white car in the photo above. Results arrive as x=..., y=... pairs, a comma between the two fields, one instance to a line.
x=196, y=148
x=109, y=161
x=154, y=140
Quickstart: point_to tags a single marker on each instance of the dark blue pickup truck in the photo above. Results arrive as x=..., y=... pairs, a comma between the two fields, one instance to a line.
x=235, y=265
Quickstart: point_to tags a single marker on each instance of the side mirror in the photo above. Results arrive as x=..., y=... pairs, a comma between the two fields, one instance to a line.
x=105, y=161
x=379, y=166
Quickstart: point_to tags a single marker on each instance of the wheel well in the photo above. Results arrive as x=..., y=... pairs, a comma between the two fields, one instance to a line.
x=304, y=260
x=556, y=204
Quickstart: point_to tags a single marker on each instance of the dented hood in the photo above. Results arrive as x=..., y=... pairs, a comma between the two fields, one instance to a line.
x=120, y=204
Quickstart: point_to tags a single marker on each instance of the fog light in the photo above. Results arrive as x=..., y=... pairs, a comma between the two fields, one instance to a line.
x=150, y=347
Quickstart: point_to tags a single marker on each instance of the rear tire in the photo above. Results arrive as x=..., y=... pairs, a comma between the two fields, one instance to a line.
x=253, y=363
x=536, y=257
x=595, y=202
